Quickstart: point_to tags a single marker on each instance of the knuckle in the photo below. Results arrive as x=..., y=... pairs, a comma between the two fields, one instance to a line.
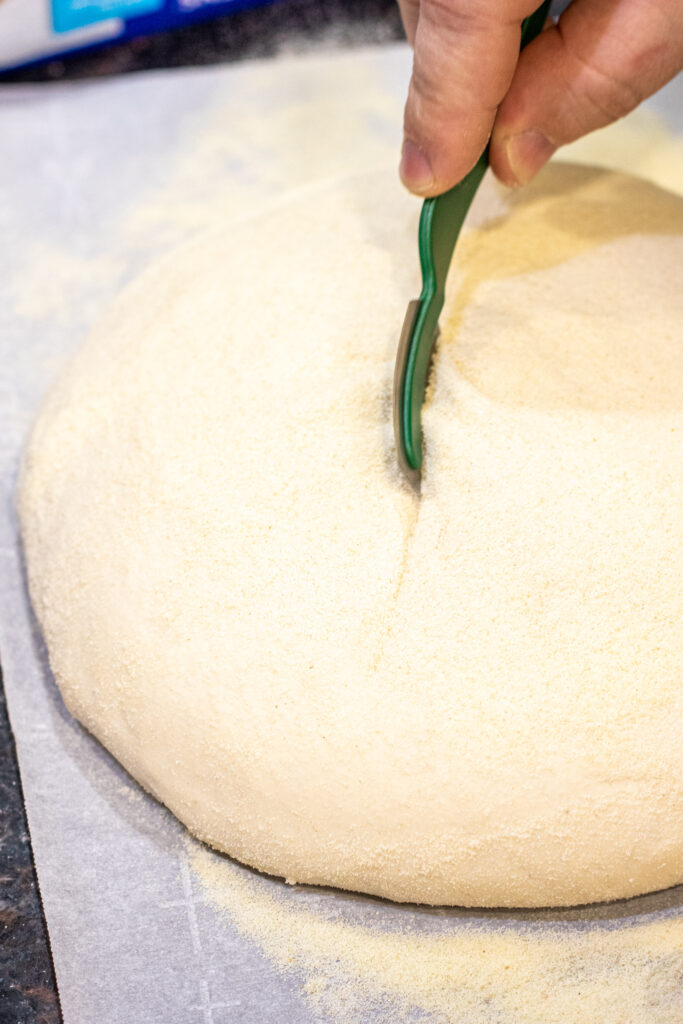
x=451, y=18
x=612, y=97
x=608, y=93
x=429, y=96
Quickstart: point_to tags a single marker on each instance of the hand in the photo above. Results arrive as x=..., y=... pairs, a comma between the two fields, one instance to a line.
x=470, y=81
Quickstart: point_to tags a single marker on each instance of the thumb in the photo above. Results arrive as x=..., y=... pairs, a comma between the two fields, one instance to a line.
x=598, y=63
x=464, y=58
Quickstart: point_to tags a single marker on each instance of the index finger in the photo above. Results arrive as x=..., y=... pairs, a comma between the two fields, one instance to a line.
x=465, y=55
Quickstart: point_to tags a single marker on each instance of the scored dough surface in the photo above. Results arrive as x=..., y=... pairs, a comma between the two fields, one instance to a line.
x=471, y=698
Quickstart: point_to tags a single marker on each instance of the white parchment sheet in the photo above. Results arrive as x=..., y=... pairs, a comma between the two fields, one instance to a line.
x=95, y=180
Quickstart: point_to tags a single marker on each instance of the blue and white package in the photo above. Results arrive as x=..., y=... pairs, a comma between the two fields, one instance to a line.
x=38, y=30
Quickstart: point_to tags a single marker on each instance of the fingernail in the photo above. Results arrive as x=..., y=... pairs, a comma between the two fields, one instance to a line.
x=416, y=171
x=526, y=154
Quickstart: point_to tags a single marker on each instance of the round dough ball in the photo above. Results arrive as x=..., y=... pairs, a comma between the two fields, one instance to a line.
x=471, y=697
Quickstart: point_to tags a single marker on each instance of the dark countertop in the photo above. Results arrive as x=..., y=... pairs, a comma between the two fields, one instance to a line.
x=28, y=993
x=27, y=987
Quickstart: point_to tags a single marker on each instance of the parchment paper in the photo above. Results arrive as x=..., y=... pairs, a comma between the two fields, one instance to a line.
x=95, y=180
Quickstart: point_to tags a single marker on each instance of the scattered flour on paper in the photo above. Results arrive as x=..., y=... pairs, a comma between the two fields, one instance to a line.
x=56, y=281
x=328, y=118
x=493, y=972
x=272, y=126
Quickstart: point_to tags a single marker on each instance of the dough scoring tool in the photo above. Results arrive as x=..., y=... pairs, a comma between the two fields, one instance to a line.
x=441, y=220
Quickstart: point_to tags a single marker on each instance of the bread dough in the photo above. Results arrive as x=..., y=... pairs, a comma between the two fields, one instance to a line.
x=471, y=698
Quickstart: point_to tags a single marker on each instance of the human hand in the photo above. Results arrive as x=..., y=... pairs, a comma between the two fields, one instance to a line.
x=470, y=81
